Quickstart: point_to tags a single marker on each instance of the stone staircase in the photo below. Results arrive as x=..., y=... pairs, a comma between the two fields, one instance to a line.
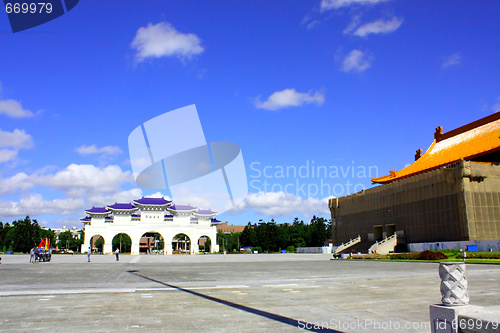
x=345, y=246
x=385, y=246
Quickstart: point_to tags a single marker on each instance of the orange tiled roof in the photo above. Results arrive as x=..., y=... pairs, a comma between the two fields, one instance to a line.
x=472, y=140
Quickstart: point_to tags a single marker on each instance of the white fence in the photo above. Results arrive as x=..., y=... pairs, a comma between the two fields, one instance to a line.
x=482, y=246
x=319, y=249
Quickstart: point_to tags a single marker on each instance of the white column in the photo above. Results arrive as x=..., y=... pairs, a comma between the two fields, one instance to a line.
x=134, y=249
x=194, y=247
x=107, y=248
x=86, y=242
x=168, y=243
x=168, y=247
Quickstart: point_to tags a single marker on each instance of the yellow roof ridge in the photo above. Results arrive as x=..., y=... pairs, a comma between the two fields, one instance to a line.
x=475, y=139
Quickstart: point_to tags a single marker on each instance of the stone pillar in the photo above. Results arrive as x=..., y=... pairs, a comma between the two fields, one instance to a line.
x=453, y=284
x=134, y=249
x=86, y=244
x=195, y=248
x=107, y=248
x=455, y=299
x=168, y=248
x=136, y=240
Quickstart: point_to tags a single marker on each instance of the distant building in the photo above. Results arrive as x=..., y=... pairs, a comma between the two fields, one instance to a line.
x=57, y=231
x=74, y=231
x=450, y=193
x=227, y=229
x=182, y=228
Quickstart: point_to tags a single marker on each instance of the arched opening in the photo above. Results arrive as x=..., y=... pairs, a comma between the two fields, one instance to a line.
x=123, y=242
x=151, y=243
x=181, y=244
x=97, y=244
x=205, y=244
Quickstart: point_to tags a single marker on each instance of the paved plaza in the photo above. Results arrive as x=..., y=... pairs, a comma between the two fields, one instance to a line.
x=236, y=293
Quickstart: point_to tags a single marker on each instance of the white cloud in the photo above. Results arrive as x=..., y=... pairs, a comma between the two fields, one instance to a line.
x=93, y=149
x=14, y=109
x=14, y=184
x=83, y=186
x=281, y=204
x=496, y=107
x=163, y=40
x=356, y=60
x=7, y=155
x=13, y=141
x=76, y=180
x=33, y=205
x=452, y=60
x=355, y=21
x=85, y=176
x=18, y=139
x=378, y=27
x=312, y=24
x=121, y=196
x=289, y=97
x=336, y=4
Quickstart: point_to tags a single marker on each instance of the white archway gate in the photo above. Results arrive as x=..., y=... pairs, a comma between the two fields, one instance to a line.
x=135, y=231
x=145, y=215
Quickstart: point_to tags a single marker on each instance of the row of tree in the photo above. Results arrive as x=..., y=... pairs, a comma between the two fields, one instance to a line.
x=23, y=235
x=272, y=237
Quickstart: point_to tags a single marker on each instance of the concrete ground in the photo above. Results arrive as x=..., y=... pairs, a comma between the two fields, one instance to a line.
x=239, y=293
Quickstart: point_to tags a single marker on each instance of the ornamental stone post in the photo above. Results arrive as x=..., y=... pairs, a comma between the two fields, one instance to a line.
x=453, y=284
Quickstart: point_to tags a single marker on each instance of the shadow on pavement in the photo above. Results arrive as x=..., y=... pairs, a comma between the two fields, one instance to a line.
x=272, y=316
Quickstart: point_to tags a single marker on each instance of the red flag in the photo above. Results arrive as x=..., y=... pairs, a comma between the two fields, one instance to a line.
x=42, y=243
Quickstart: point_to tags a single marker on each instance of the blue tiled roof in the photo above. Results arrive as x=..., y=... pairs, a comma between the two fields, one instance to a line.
x=182, y=207
x=122, y=206
x=205, y=212
x=152, y=201
x=97, y=210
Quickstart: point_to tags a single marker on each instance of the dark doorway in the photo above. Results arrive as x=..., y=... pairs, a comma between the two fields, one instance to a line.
x=390, y=229
x=377, y=233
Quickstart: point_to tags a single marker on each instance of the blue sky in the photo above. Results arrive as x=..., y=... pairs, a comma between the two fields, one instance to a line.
x=337, y=84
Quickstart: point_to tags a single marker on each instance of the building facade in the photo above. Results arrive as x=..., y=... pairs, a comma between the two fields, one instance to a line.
x=450, y=193
x=181, y=227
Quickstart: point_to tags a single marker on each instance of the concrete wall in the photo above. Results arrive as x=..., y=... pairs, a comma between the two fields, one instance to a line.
x=448, y=204
x=482, y=199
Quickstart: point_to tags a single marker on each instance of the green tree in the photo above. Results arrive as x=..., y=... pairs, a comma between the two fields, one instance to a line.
x=68, y=241
x=248, y=236
x=99, y=243
x=319, y=231
x=6, y=236
x=228, y=242
x=26, y=234
x=267, y=236
x=283, y=237
x=126, y=242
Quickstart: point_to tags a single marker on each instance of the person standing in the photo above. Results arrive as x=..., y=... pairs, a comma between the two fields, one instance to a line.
x=88, y=254
x=32, y=255
x=117, y=252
